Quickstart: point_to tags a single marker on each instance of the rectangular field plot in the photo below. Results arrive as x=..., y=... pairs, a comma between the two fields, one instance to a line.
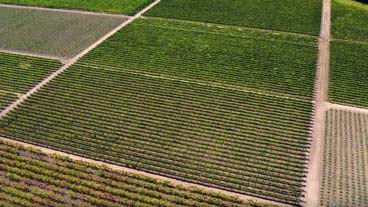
x=237, y=57
x=31, y=178
x=349, y=73
x=240, y=141
x=110, y=6
x=299, y=16
x=345, y=160
x=19, y=73
x=54, y=33
x=349, y=20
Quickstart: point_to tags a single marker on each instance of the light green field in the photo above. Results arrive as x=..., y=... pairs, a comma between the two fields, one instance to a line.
x=300, y=16
x=52, y=33
x=349, y=20
x=111, y=6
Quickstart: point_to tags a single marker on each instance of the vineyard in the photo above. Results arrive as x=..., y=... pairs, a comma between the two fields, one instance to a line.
x=278, y=63
x=348, y=73
x=5, y=99
x=349, y=20
x=111, y=6
x=239, y=141
x=31, y=178
x=19, y=73
x=299, y=16
x=53, y=33
x=345, y=160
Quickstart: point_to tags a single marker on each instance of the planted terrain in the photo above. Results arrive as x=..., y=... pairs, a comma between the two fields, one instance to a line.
x=299, y=16
x=110, y=6
x=19, y=73
x=239, y=141
x=348, y=73
x=31, y=178
x=269, y=62
x=345, y=160
x=53, y=33
x=5, y=99
x=349, y=20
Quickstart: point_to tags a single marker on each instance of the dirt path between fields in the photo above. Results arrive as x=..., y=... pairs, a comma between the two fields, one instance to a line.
x=321, y=93
x=71, y=61
x=129, y=170
x=75, y=11
x=346, y=108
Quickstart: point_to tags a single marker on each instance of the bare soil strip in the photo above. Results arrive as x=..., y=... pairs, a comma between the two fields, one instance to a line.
x=347, y=108
x=62, y=60
x=74, y=59
x=129, y=170
x=64, y=10
x=321, y=92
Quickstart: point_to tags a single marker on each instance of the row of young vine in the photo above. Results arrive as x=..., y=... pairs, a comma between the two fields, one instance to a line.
x=31, y=178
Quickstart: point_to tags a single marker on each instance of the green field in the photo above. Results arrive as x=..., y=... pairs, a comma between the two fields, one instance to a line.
x=240, y=141
x=348, y=73
x=5, y=99
x=32, y=178
x=345, y=153
x=110, y=6
x=349, y=20
x=19, y=73
x=270, y=62
x=60, y=34
x=300, y=16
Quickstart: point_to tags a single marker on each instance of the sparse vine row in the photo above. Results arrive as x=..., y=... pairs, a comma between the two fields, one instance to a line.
x=345, y=159
x=32, y=178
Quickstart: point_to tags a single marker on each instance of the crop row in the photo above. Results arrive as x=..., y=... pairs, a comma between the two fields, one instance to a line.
x=5, y=99
x=286, y=15
x=192, y=51
x=349, y=20
x=345, y=159
x=32, y=178
x=19, y=73
x=348, y=73
x=245, y=142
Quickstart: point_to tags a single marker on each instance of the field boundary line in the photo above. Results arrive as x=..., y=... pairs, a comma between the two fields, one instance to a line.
x=140, y=172
x=230, y=35
x=230, y=25
x=198, y=82
x=313, y=181
x=347, y=108
x=32, y=54
x=74, y=59
x=75, y=11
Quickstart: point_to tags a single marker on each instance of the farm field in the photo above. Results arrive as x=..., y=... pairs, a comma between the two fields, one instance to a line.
x=109, y=6
x=19, y=73
x=349, y=20
x=348, y=73
x=29, y=177
x=53, y=33
x=6, y=98
x=240, y=141
x=299, y=16
x=345, y=159
x=242, y=58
